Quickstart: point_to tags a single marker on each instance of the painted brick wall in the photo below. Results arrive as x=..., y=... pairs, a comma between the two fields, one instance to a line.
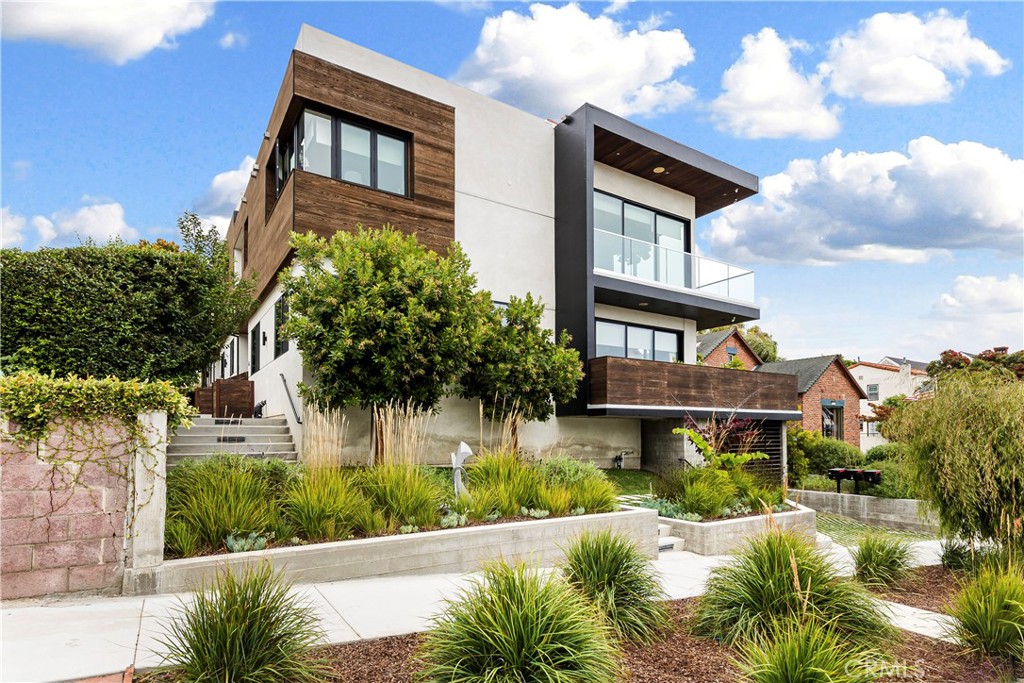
x=833, y=384
x=62, y=530
x=720, y=356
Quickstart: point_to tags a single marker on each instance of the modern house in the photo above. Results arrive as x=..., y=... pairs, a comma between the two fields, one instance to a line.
x=593, y=213
x=718, y=349
x=880, y=381
x=829, y=395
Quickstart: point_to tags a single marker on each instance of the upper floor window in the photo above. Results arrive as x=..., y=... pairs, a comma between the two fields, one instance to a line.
x=872, y=392
x=640, y=242
x=344, y=149
x=636, y=341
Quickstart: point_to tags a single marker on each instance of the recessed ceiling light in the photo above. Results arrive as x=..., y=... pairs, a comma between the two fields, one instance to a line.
x=659, y=169
x=642, y=304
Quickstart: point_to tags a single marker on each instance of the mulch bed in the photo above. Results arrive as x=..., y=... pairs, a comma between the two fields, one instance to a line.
x=678, y=658
x=932, y=588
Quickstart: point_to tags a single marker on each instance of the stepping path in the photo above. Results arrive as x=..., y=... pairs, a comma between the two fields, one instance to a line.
x=60, y=640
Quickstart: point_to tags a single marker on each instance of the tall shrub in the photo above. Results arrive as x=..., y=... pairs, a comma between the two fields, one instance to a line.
x=152, y=312
x=380, y=319
x=964, y=451
x=521, y=366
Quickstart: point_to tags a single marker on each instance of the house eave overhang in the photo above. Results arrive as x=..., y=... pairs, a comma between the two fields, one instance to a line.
x=697, y=412
x=628, y=147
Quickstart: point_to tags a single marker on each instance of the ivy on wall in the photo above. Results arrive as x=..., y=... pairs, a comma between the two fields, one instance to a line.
x=36, y=403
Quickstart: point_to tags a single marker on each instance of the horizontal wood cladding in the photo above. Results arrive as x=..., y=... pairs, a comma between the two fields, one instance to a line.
x=310, y=202
x=629, y=382
x=710, y=191
x=326, y=206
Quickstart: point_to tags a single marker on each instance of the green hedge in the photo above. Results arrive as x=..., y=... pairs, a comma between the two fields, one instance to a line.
x=886, y=451
x=34, y=402
x=147, y=312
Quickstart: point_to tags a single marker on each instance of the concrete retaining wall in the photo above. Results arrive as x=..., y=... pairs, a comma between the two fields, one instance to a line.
x=430, y=552
x=909, y=515
x=727, y=535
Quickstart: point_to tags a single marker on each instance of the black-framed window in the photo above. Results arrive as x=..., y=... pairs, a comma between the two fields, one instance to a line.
x=832, y=422
x=622, y=217
x=255, y=342
x=623, y=340
x=872, y=392
x=344, y=148
x=280, y=315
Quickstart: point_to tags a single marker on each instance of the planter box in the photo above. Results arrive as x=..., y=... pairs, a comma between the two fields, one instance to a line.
x=429, y=552
x=727, y=535
x=896, y=513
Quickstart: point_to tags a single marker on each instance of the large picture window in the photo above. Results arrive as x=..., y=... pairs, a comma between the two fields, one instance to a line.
x=635, y=341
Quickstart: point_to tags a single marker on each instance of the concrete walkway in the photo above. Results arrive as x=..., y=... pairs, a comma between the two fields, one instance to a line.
x=58, y=640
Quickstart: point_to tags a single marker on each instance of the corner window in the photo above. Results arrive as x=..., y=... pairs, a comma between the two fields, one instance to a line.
x=355, y=154
x=315, y=143
x=635, y=341
x=280, y=315
x=872, y=392
x=255, y=342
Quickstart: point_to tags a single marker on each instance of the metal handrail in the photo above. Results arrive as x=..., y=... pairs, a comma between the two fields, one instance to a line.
x=288, y=393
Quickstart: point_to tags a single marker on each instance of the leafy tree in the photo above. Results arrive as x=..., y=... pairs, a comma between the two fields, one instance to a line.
x=380, y=319
x=882, y=412
x=519, y=365
x=964, y=449
x=948, y=361
x=147, y=311
x=997, y=360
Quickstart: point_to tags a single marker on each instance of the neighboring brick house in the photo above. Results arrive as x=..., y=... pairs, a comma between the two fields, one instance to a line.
x=718, y=348
x=829, y=395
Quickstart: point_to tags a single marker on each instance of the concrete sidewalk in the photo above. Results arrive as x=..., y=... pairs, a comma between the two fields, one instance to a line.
x=58, y=640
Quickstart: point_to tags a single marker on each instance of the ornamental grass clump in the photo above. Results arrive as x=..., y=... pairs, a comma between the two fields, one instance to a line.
x=881, y=560
x=595, y=495
x=403, y=494
x=326, y=505
x=988, y=614
x=514, y=481
x=780, y=575
x=517, y=625
x=219, y=497
x=613, y=574
x=247, y=628
x=809, y=651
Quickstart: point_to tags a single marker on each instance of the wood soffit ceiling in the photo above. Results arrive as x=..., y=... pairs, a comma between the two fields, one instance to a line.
x=712, y=192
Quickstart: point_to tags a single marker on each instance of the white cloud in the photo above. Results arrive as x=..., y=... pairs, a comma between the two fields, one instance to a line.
x=888, y=206
x=98, y=222
x=233, y=39
x=616, y=6
x=222, y=197
x=900, y=59
x=116, y=30
x=972, y=295
x=765, y=96
x=556, y=58
x=12, y=229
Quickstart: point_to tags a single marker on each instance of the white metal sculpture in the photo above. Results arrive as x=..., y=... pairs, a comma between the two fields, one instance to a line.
x=458, y=467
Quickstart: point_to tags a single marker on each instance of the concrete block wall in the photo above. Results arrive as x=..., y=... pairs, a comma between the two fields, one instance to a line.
x=895, y=513
x=62, y=525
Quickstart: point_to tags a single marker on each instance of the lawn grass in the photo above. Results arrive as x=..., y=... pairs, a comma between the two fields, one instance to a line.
x=632, y=482
x=849, y=532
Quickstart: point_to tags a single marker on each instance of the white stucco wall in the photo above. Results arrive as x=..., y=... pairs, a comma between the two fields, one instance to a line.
x=890, y=383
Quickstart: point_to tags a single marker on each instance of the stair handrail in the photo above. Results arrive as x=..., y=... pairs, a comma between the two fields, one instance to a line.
x=288, y=393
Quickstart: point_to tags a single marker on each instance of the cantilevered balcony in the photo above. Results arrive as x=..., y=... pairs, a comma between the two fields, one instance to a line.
x=655, y=263
x=644, y=388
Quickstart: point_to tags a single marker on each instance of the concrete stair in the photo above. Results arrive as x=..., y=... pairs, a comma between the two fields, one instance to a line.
x=667, y=542
x=252, y=437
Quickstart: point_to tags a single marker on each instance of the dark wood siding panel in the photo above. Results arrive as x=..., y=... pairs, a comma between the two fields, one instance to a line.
x=270, y=248
x=327, y=206
x=624, y=381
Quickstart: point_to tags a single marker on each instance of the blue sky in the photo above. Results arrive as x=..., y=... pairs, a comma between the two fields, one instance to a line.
x=888, y=136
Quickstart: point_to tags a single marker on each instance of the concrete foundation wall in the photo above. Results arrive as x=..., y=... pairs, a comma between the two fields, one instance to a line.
x=431, y=552
x=909, y=515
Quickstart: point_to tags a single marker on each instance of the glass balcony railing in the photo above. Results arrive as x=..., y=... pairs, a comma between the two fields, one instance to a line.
x=657, y=263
